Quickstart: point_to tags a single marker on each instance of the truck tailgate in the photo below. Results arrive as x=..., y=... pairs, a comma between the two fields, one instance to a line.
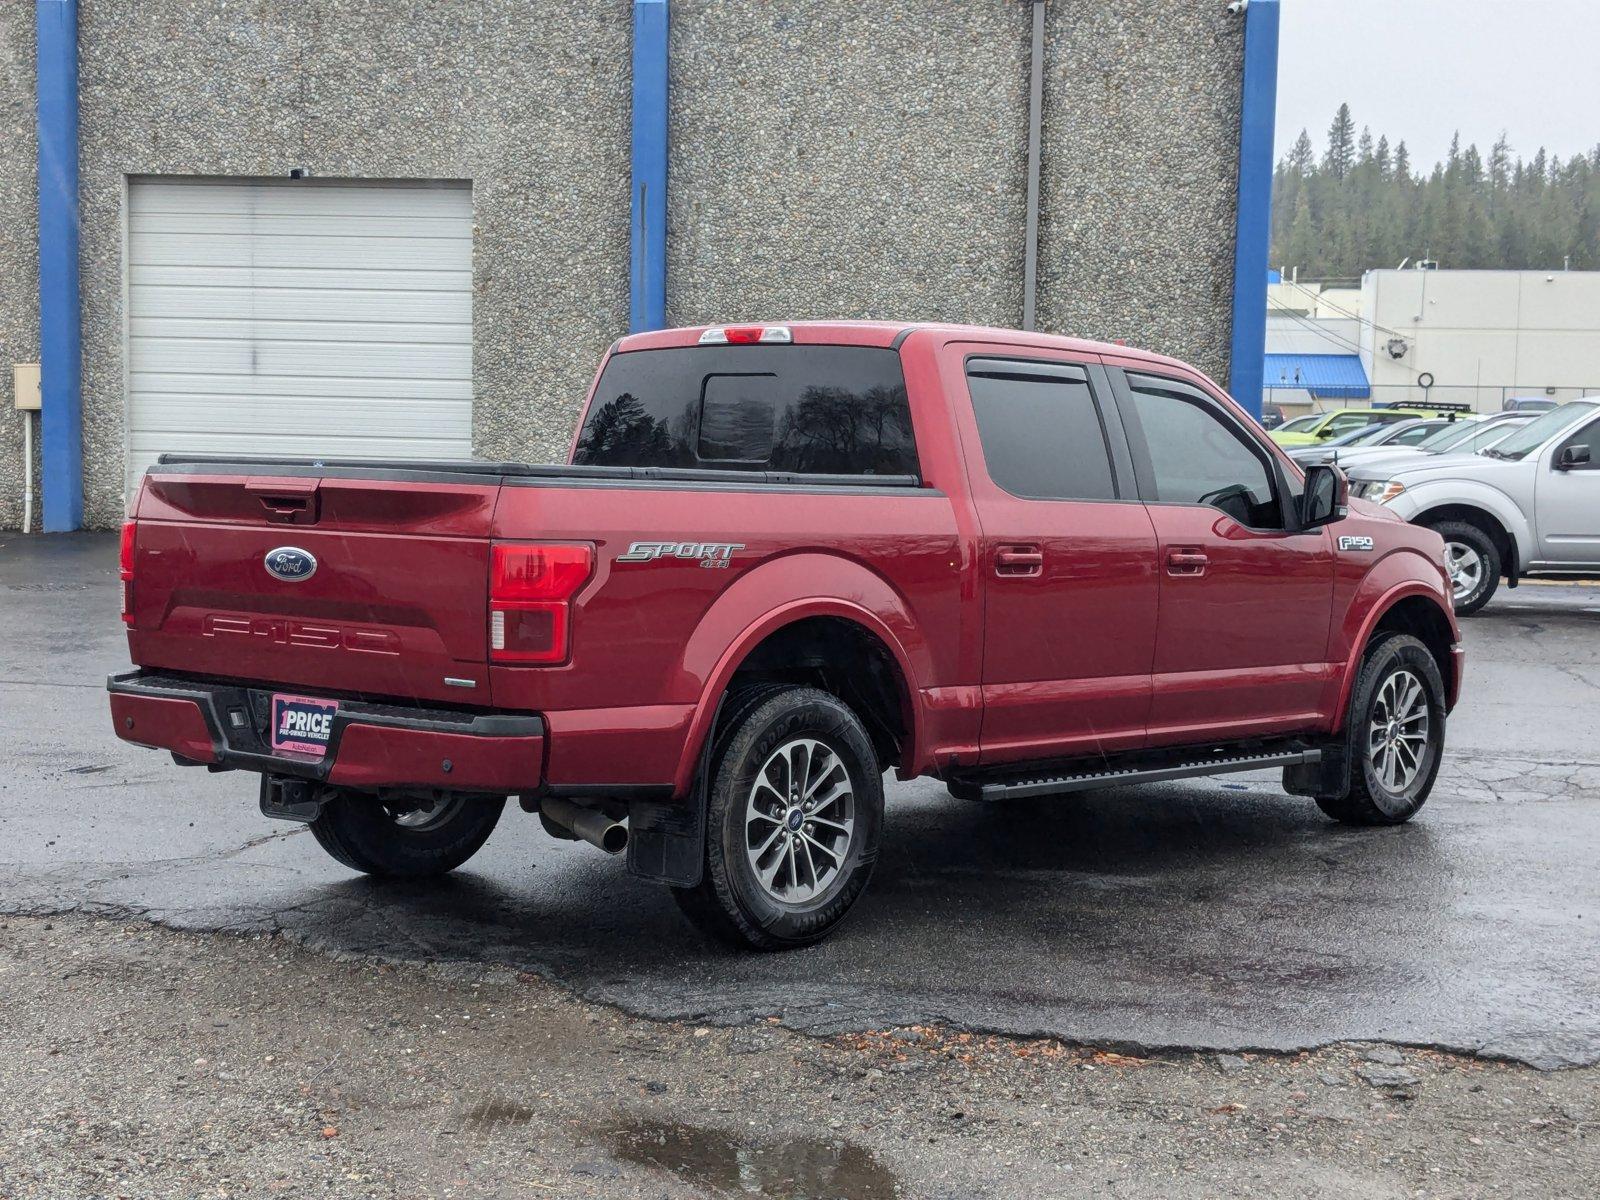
x=391, y=598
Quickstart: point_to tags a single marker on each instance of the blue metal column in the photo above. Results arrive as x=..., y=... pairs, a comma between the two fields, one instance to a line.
x=647, y=304
x=60, y=350
x=1255, y=203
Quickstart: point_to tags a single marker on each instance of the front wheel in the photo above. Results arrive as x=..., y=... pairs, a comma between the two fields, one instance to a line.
x=1395, y=732
x=410, y=840
x=793, y=815
x=1473, y=563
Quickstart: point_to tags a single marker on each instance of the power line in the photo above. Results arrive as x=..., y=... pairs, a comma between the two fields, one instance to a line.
x=1326, y=335
x=1320, y=298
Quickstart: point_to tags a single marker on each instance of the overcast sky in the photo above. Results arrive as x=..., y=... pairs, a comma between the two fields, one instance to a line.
x=1420, y=69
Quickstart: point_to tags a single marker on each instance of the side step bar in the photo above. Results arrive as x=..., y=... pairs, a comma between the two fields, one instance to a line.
x=1017, y=786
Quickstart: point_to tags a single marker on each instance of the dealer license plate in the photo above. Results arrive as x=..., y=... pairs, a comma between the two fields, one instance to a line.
x=302, y=724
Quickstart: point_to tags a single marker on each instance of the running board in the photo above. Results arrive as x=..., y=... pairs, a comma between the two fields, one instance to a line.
x=1020, y=787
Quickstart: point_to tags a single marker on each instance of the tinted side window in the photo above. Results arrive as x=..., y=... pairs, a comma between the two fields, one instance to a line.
x=833, y=410
x=1414, y=435
x=1195, y=457
x=1041, y=434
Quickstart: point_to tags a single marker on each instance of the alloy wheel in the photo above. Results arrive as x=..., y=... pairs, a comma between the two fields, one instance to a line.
x=799, y=820
x=1397, y=734
x=1465, y=567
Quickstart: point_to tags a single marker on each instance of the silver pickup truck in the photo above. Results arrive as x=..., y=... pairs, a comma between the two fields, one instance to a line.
x=1528, y=505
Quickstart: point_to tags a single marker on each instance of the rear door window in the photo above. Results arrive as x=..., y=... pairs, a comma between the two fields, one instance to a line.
x=832, y=410
x=1041, y=431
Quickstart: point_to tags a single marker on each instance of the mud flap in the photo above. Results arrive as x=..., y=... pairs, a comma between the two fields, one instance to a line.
x=666, y=840
x=1328, y=779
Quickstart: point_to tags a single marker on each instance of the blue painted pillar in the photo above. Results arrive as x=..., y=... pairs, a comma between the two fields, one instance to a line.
x=1255, y=203
x=647, y=303
x=60, y=349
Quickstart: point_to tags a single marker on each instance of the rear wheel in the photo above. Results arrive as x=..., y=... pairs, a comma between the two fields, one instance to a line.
x=1395, y=734
x=405, y=840
x=1473, y=562
x=794, y=810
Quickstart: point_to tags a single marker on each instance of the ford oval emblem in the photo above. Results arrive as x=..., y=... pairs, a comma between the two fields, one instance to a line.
x=290, y=564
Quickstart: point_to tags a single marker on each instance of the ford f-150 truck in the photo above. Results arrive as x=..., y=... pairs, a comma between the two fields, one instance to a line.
x=782, y=560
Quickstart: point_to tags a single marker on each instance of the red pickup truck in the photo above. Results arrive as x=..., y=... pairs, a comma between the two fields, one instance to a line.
x=783, y=559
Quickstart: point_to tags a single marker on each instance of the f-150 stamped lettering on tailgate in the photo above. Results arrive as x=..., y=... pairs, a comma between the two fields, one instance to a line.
x=284, y=632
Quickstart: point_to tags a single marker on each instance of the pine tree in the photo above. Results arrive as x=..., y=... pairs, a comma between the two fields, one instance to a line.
x=1341, y=144
x=1362, y=207
x=1302, y=159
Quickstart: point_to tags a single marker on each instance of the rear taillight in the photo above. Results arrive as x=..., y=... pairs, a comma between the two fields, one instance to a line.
x=531, y=586
x=125, y=571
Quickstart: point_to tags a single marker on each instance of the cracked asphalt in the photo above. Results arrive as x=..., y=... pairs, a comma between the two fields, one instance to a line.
x=1216, y=915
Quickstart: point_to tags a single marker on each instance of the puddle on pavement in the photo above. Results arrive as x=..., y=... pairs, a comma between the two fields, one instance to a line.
x=803, y=1169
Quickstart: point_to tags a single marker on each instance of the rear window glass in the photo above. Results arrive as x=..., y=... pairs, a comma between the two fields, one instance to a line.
x=826, y=410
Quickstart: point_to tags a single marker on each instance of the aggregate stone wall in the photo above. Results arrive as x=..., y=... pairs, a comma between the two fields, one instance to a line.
x=529, y=100
x=837, y=159
x=828, y=158
x=19, y=248
x=1141, y=174
x=869, y=160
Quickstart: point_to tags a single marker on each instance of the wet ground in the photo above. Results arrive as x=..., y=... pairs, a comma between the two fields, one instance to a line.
x=1217, y=915
x=138, y=1062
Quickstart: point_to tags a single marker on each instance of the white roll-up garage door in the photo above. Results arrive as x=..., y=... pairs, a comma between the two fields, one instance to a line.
x=298, y=318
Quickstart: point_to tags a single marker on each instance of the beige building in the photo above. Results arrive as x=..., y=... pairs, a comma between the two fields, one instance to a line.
x=1480, y=337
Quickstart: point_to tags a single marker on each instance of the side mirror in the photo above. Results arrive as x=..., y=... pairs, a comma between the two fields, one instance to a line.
x=1572, y=456
x=1324, y=434
x=1326, y=498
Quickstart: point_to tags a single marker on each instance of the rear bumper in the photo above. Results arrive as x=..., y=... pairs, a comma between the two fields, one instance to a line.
x=370, y=746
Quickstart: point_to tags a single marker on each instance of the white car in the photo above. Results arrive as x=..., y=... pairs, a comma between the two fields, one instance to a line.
x=1528, y=505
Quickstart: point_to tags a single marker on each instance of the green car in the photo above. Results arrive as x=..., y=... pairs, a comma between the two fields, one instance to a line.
x=1320, y=427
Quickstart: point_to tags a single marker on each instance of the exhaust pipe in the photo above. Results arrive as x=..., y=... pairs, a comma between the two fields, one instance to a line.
x=586, y=824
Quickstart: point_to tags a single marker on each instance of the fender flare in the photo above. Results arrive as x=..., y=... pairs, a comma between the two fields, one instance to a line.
x=1375, y=613
x=759, y=620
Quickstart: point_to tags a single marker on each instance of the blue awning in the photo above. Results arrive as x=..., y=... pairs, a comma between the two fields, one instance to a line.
x=1325, y=376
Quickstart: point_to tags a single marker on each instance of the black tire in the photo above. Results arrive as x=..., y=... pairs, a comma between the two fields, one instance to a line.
x=1470, y=537
x=730, y=902
x=364, y=835
x=1372, y=798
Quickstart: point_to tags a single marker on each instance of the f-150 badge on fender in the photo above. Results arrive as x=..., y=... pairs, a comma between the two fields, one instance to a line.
x=1355, y=543
x=709, y=554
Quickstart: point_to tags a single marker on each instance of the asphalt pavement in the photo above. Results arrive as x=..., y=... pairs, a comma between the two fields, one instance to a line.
x=1217, y=914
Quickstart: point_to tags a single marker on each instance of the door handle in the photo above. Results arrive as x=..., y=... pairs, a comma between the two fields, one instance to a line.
x=1187, y=561
x=1019, y=562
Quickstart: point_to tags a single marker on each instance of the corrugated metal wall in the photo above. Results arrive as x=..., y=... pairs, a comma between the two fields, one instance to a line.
x=271, y=317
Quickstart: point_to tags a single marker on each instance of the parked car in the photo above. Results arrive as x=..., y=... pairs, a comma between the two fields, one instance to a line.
x=1461, y=437
x=782, y=560
x=1528, y=505
x=1271, y=416
x=1321, y=427
x=1528, y=404
x=1392, y=434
